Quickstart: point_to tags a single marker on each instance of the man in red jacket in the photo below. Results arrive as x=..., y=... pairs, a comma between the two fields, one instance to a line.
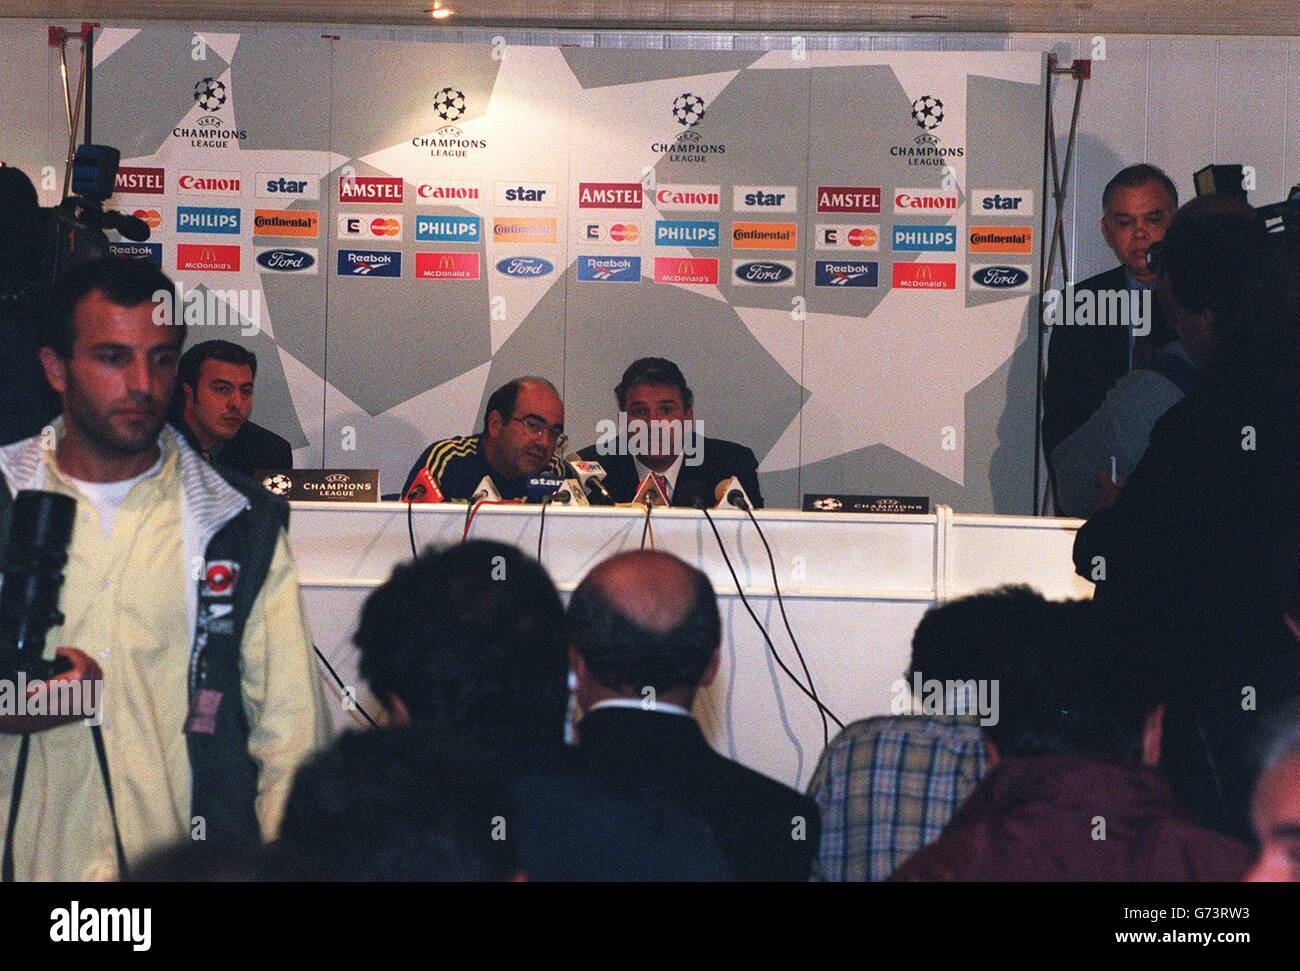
x=1075, y=794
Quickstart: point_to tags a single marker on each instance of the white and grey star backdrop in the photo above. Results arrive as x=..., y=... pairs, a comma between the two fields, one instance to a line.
x=837, y=388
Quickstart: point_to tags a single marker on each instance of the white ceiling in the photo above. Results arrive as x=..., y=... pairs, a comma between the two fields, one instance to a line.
x=1258, y=17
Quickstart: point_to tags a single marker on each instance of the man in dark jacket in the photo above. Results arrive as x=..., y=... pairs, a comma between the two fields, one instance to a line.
x=660, y=408
x=1074, y=794
x=1085, y=359
x=644, y=634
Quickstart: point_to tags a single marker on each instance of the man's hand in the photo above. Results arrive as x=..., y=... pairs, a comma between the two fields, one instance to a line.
x=82, y=683
x=1107, y=492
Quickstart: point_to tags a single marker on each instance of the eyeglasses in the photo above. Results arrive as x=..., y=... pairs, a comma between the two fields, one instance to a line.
x=539, y=429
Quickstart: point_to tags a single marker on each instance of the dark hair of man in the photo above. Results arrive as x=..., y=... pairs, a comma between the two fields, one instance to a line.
x=653, y=370
x=124, y=282
x=967, y=638
x=471, y=639
x=1077, y=685
x=1218, y=256
x=1138, y=175
x=394, y=805
x=503, y=399
x=190, y=365
x=624, y=656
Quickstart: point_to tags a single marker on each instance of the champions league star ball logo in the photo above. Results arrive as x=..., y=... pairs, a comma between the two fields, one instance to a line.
x=928, y=112
x=210, y=94
x=828, y=504
x=449, y=103
x=688, y=109
x=277, y=484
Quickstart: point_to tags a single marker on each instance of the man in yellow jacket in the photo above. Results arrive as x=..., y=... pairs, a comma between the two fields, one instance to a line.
x=179, y=588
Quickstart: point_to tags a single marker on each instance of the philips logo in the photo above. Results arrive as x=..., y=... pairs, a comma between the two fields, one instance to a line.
x=448, y=229
x=924, y=239
x=195, y=219
x=686, y=232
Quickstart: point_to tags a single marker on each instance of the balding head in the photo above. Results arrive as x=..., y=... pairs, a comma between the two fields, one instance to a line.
x=645, y=620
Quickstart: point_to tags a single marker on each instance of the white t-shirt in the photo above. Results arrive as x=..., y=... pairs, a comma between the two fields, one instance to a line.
x=107, y=497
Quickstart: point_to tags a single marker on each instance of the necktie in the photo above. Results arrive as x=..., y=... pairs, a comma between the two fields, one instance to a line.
x=663, y=486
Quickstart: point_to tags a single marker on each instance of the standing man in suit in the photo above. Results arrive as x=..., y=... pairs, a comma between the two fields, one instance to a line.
x=214, y=400
x=1085, y=361
x=653, y=395
x=644, y=636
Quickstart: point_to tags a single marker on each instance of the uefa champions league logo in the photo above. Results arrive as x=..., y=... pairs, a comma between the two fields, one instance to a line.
x=210, y=94
x=450, y=104
x=927, y=112
x=688, y=109
x=277, y=484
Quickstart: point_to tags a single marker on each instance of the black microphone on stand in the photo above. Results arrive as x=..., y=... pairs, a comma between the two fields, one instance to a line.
x=40, y=528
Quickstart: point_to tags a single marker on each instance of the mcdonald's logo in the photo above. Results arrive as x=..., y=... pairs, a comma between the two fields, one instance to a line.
x=686, y=271
x=446, y=266
x=925, y=276
x=217, y=259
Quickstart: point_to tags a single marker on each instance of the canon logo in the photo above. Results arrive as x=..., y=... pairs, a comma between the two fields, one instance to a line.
x=201, y=183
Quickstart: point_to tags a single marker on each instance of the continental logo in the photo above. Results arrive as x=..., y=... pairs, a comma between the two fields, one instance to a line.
x=764, y=235
x=521, y=229
x=1001, y=239
x=286, y=222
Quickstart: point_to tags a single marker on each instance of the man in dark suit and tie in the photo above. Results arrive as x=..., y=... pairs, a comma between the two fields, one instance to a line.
x=1085, y=359
x=661, y=438
x=644, y=636
x=214, y=397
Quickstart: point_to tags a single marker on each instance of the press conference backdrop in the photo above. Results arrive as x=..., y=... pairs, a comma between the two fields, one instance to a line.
x=840, y=249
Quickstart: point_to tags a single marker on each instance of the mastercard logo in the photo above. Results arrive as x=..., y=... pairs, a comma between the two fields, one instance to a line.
x=385, y=227
x=624, y=232
x=152, y=217
x=863, y=237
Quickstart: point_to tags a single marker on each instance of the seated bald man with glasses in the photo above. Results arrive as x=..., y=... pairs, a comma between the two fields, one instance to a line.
x=523, y=430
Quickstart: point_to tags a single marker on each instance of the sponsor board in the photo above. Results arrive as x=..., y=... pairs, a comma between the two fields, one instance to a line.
x=885, y=505
x=924, y=276
x=369, y=225
x=534, y=195
x=925, y=200
x=610, y=195
x=282, y=259
x=764, y=235
x=848, y=198
x=286, y=222
x=762, y=273
x=832, y=236
x=369, y=262
x=609, y=269
x=150, y=217
x=140, y=180
x=445, y=193
x=138, y=251
x=448, y=229
x=669, y=269
x=687, y=232
x=1003, y=202
x=923, y=239
x=446, y=266
x=287, y=185
x=208, y=183
x=697, y=198
x=765, y=198
x=1001, y=239
x=528, y=267
x=380, y=190
x=207, y=257
x=610, y=233
x=847, y=273
x=523, y=229
x=205, y=219
x=321, y=485
x=1006, y=278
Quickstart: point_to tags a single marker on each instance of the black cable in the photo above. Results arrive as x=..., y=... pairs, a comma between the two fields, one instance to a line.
x=758, y=623
x=410, y=528
x=541, y=527
x=646, y=527
x=343, y=687
x=780, y=602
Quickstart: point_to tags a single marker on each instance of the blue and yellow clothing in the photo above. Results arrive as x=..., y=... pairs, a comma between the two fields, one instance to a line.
x=459, y=464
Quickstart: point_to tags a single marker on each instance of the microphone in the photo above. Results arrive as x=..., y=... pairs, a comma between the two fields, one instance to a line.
x=39, y=532
x=487, y=490
x=590, y=475
x=424, y=489
x=541, y=486
x=730, y=494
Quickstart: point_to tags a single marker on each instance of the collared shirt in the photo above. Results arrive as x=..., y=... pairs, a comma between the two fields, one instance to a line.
x=1135, y=287
x=664, y=707
x=669, y=474
x=887, y=787
x=459, y=464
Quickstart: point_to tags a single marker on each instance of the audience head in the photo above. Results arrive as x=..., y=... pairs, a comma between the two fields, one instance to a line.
x=110, y=349
x=523, y=425
x=215, y=381
x=1276, y=809
x=1137, y=205
x=470, y=642
x=394, y=805
x=644, y=620
x=1220, y=277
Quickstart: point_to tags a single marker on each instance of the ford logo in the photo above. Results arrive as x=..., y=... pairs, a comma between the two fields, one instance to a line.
x=763, y=272
x=1000, y=277
x=287, y=260
x=525, y=266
